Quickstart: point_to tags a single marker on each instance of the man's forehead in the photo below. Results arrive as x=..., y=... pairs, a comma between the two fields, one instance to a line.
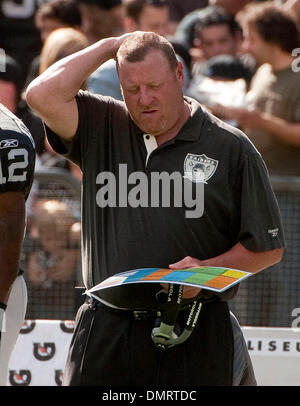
x=150, y=60
x=215, y=28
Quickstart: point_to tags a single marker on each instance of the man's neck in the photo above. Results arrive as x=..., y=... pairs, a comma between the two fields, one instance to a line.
x=281, y=60
x=161, y=139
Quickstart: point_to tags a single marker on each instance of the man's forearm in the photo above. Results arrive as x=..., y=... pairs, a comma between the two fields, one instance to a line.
x=52, y=94
x=239, y=257
x=62, y=80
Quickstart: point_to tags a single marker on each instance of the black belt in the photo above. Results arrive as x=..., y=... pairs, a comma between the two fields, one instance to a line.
x=164, y=333
x=95, y=304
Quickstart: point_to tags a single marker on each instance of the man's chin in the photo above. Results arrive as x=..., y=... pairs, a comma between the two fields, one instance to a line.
x=149, y=129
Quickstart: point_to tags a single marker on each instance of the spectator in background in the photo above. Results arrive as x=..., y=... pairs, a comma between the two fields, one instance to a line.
x=101, y=18
x=140, y=15
x=52, y=264
x=180, y=8
x=154, y=15
x=10, y=82
x=184, y=33
x=225, y=79
x=18, y=35
x=272, y=121
x=151, y=15
x=232, y=7
x=52, y=15
x=57, y=14
x=216, y=33
x=60, y=43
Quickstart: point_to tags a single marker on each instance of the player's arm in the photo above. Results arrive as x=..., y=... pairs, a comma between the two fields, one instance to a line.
x=52, y=94
x=12, y=223
x=238, y=257
x=284, y=130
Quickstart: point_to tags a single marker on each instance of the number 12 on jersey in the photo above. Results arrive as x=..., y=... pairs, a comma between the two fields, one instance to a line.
x=14, y=167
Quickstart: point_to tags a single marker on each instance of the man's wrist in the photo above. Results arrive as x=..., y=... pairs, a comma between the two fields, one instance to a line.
x=108, y=47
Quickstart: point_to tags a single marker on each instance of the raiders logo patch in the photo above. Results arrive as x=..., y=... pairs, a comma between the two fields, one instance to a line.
x=199, y=168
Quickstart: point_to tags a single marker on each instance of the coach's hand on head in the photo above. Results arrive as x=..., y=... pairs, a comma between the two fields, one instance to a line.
x=52, y=95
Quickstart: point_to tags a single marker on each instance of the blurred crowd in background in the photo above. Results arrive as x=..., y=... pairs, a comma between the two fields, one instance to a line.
x=241, y=60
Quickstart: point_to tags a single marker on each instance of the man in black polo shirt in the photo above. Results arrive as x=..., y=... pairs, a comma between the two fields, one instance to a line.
x=221, y=216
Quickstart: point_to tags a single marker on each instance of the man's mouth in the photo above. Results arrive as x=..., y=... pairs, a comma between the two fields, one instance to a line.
x=148, y=112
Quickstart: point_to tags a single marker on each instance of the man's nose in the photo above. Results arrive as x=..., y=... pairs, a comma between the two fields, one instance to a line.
x=246, y=46
x=145, y=97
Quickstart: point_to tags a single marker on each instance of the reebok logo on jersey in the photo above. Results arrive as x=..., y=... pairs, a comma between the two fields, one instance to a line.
x=273, y=232
x=9, y=143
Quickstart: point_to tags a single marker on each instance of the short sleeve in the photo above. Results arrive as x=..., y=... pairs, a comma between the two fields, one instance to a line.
x=261, y=225
x=92, y=111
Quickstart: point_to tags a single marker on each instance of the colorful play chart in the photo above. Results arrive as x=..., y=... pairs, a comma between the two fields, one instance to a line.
x=207, y=277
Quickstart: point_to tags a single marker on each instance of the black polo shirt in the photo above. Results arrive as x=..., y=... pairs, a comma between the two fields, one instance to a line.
x=127, y=225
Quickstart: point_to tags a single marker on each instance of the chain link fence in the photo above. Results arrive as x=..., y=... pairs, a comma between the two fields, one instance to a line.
x=268, y=298
x=51, y=254
x=52, y=263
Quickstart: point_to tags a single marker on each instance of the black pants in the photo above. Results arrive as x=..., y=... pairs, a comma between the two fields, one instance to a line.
x=112, y=348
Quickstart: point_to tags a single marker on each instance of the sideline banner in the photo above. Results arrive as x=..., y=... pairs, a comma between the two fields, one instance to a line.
x=41, y=350
x=275, y=354
x=40, y=353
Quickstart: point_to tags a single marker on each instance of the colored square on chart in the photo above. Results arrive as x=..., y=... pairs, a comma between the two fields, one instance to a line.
x=209, y=270
x=234, y=274
x=219, y=282
x=177, y=276
x=140, y=274
x=199, y=278
x=157, y=275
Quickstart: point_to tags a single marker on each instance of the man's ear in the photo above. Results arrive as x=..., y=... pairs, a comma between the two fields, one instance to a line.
x=179, y=71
